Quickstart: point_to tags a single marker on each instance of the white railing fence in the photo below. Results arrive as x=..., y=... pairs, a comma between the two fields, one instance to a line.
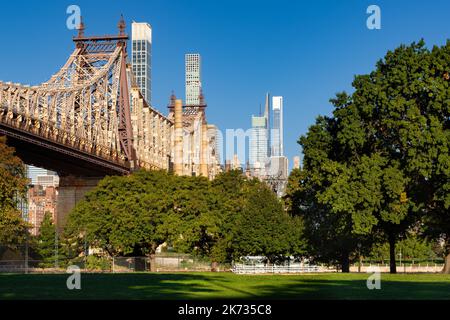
x=255, y=269
x=401, y=268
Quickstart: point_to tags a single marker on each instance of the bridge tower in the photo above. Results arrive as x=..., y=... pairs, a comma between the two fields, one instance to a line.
x=73, y=188
x=78, y=123
x=191, y=143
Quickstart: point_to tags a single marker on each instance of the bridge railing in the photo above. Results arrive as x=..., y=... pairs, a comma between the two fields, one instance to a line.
x=50, y=131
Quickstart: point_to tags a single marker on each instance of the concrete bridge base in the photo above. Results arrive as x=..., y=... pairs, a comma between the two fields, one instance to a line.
x=70, y=191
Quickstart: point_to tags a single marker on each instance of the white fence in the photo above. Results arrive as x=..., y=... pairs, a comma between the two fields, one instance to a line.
x=257, y=268
x=416, y=268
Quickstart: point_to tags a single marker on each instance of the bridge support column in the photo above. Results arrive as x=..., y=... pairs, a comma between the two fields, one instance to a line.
x=70, y=191
x=204, y=151
x=178, y=143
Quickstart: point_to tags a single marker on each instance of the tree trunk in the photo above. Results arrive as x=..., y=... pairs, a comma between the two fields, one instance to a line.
x=447, y=258
x=360, y=263
x=392, y=263
x=345, y=263
x=152, y=257
x=152, y=263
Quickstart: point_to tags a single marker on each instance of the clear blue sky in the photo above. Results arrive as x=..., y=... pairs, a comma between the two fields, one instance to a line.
x=305, y=51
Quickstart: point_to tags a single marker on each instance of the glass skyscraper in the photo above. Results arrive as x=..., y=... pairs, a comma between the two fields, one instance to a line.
x=141, y=57
x=277, y=127
x=266, y=154
x=259, y=142
x=258, y=153
x=193, y=83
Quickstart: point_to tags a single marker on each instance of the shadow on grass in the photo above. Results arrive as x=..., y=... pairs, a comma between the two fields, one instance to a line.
x=309, y=289
x=186, y=286
x=108, y=286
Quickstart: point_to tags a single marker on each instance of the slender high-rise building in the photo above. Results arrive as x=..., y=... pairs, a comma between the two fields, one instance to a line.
x=267, y=116
x=259, y=142
x=278, y=168
x=141, y=57
x=277, y=127
x=193, y=83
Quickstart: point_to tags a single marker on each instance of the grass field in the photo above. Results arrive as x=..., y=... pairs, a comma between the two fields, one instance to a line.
x=223, y=285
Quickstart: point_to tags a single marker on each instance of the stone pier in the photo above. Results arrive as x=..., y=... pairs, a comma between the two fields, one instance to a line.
x=70, y=191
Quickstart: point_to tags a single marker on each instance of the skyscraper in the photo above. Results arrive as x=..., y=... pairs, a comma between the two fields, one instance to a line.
x=259, y=142
x=278, y=169
x=193, y=83
x=141, y=52
x=277, y=127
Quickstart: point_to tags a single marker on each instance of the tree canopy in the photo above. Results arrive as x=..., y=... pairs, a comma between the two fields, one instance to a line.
x=13, y=183
x=221, y=219
x=381, y=163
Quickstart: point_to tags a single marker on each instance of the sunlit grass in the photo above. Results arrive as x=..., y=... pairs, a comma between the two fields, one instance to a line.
x=224, y=285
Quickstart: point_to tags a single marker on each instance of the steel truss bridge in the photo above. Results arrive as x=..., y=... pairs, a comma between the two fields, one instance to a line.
x=89, y=119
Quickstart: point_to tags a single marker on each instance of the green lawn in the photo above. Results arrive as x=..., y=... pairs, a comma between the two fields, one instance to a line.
x=223, y=285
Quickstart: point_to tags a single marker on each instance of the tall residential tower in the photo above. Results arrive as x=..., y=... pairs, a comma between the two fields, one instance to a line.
x=141, y=53
x=193, y=79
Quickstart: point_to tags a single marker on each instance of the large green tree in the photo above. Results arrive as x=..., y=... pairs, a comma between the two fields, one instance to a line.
x=330, y=236
x=397, y=123
x=189, y=224
x=124, y=215
x=381, y=162
x=13, y=184
x=47, y=243
x=133, y=215
x=228, y=191
x=264, y=228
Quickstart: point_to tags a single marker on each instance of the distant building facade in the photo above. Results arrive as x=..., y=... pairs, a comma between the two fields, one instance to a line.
x=41, y=196
x=47, y=181
x=40, y=201
x=215, y=144
x=141, y=58
x=34, y=172
x=236, y=164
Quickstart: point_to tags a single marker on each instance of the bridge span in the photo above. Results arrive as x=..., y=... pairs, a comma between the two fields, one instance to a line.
x=79, y=122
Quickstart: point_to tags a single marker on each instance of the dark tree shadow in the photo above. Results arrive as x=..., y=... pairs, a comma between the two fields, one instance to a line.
x=188, y=286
